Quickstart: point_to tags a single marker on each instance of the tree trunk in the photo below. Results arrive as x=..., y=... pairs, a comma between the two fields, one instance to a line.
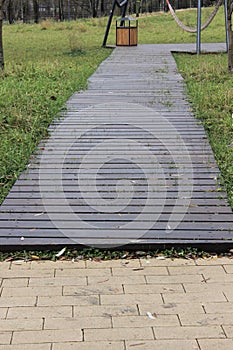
x=26, y=14
x=36, y=11
x=229, y=28
x=10, y=11
x=94, y=4
x=1, y=41
x=61, y=10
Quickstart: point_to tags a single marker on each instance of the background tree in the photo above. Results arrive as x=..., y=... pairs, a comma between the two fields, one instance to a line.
x=1, y=41
x=36, y=10
x=10, y=11
x=229, y=27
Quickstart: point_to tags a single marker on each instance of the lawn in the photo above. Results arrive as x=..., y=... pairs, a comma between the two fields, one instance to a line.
x=46, y=63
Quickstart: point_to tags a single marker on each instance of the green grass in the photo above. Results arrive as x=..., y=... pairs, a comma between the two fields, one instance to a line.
x=46, y=63
x=161, y=27
x=104, y=254
x=210, y=88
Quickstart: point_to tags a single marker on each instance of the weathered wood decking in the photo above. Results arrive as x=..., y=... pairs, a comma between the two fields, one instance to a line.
x=127, y=164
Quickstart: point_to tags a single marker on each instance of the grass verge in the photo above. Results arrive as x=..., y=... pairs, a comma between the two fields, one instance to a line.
x=210, y=88
x=45, y=64
x=103, y=254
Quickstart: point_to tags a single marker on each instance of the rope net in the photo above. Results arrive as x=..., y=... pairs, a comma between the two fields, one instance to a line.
x=194, y=30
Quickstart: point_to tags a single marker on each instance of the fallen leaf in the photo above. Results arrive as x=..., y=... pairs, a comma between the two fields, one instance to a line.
x=149, y=314
x=97, y=259
x=60, y=253
x=34, y=257
x=9, y=259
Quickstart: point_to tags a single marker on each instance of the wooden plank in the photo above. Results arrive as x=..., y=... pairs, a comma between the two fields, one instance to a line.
x=129, y=82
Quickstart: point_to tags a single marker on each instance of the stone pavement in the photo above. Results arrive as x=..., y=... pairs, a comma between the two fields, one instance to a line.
x=117, y=305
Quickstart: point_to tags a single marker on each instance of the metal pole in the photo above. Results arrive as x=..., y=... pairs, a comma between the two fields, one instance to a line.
x=226, y=20
x=109, y=23
x=198, y=48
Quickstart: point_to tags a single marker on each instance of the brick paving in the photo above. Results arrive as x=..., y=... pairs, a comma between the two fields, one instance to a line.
x=80, y=305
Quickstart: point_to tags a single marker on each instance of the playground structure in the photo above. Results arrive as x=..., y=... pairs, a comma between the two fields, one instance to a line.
x=124, y=3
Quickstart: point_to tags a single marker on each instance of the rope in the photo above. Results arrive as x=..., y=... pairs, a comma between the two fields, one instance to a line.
x=189, y=29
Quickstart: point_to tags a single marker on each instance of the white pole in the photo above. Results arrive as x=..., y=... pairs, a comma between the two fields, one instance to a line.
x=198, y=48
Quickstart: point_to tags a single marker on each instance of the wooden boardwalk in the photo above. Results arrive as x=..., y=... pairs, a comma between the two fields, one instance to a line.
x=127, y=163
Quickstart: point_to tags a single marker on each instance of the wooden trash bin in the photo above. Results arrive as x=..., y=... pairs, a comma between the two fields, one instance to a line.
x=126, y=32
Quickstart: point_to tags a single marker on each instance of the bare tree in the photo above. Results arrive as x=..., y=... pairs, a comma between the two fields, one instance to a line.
x=1, y=41
x=94, y=4
x=36, y=10
x=229, y=27
x=10, y=11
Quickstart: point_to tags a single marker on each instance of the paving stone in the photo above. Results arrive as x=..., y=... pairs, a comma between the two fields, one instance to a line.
x=162, y=345
x=83, y=272
x=185, y=278
x=170, y=308
x=15, y=282
x=129, y=299
x=218, y=308
x=105, y=310
x=3, y=312
x=90, y=290
x=77, y=323
x=39, y=312
x=68, y=300
x=218, y=344
x=143, y=271
x=20, y=265
x=47, y=336
x=122, y=263
x=189, y=332
x=20, y=273
x=228, y=330
x=31, y=291
x=211, y=277
x=228, y=268
x=37, y=265
x=145, y=321
x=17, y=301
x=153, y=288
x=196, y=270
x=4, y=266
x=193, y=297
x=214, y=261
x=116, y=280
x=58, y=281
x=23, y=324
x=100, y=345
x=118, y=334
x=206, y=319
x=207, y=287
x=5, y=337
x=166, y=262
x=26, y=347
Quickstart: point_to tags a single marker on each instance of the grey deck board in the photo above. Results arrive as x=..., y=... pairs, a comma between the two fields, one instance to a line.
x=136, y=119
